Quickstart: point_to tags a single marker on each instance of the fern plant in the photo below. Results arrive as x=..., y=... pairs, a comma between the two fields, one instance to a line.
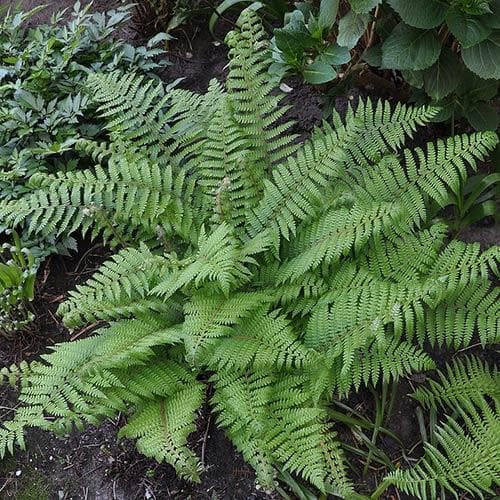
x=285, y=274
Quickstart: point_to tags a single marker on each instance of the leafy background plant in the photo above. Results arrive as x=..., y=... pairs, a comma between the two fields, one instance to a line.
x=43, y=111
x=302, y=45
x=17, y=286
x=155, y=16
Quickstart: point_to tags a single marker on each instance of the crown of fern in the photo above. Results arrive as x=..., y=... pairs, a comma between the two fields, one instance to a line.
x=289, y=272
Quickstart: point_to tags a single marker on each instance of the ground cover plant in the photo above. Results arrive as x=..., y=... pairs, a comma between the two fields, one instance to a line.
x=43, y=110
x=272, y=278
x=17, y=286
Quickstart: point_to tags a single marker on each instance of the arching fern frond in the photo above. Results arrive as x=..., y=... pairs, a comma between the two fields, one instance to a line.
x=465, y=383
x=119, y=289
x=381, y=363
x=260, y=342
x=295, y=192
x=271, y=422
x=466, y=458
x=210, y=315
x=162, y=424
x=218, y=259
x=131, y=195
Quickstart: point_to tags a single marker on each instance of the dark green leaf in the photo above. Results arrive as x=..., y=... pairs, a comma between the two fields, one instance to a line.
x=351, y=28
x=294, y=38
x=335, y=55
x=483, y=117
x=475, y=89
x=373, y=56
x=475, y=214
x=363, y=6
x=414, y=78
x=318, y=72
x=420, y=13
x=476, y=188
x=493, y=20
x=328, y=13
x=468, y=30
x=443, y=77
x=446, y=111
x=484, y=58
x=410, y=48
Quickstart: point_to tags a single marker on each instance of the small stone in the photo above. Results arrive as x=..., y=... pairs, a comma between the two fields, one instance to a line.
x=189, y=55
x=18, y=473
x=285, y=88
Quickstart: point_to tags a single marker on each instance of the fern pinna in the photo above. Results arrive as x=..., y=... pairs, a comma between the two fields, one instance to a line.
x=285, y=274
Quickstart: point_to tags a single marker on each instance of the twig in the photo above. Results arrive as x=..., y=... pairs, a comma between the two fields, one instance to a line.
x=204, y=444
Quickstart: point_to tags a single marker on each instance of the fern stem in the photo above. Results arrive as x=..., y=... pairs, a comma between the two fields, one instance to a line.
x=392, y=399
x=380, y=489
x=379, y=418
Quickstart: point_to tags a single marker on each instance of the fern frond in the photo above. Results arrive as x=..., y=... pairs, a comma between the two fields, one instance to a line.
x=465, y=459
x=250, y=93
x=219, y=259
x=119, y=289
x=269, y=419
x=161, y=425
x=465, y=383
x=260, y=342
x=75, y=383
x=132, y=194
x=296, y=189
x=406, y=258
x=209, y=316
x=231, y=176
x=344, y=321
x=381, y=363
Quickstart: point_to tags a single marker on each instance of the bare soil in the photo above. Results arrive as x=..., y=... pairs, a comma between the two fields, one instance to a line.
x=93, y=465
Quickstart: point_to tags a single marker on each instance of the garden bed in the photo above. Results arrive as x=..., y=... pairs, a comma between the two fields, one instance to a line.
x=92, y=464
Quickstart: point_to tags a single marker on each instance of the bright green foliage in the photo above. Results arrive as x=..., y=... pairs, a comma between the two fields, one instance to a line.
x=463, y=384
x=284, y=272
x=17, y=286
x=467, y=454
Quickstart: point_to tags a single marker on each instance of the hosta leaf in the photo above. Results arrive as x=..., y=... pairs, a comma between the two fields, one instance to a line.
x=318, y=72
x=484, y=58
x=410, y=48
x=443, y=77
x=327, y=13
x=420, y=13
x=468, y=30
x=483, y=117
x=293, y=38
x=373, y=56
x=351, y=28
x=335, y=55
x=363, y=6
